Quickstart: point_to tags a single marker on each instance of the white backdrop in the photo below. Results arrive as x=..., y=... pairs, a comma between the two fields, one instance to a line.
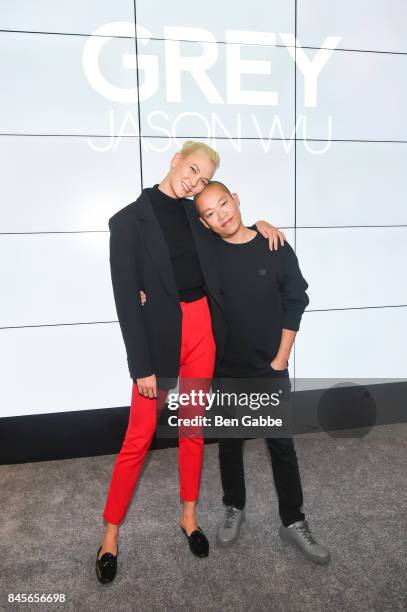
x=63, y=176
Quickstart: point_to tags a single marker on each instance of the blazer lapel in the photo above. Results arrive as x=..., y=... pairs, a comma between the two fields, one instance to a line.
x=156, y=245
x=206, y=245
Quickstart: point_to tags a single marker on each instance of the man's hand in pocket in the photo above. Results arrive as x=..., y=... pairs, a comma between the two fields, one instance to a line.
x=279, y=365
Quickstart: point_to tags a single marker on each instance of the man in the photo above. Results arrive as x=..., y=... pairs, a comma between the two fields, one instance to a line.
x=262, y=323
x=158, y=244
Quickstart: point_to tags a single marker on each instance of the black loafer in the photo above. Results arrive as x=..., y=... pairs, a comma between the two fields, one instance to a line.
x=106, y=566
x=198, y=543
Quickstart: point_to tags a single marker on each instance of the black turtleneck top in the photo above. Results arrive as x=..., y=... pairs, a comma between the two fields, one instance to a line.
x=177, y=232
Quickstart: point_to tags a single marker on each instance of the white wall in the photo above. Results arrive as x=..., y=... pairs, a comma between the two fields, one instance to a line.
x=62, y=176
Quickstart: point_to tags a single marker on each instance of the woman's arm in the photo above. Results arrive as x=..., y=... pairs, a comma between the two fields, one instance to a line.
x=124, y=266
x=273, y=234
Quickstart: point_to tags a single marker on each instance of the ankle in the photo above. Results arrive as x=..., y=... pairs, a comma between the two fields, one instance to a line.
x=188, y=523
x=112, y=534
x=188, y=516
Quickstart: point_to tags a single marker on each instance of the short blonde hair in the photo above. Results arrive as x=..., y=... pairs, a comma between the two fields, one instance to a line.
x=190, y=146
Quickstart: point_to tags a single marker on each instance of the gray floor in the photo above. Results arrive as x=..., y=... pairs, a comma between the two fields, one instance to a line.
x=355, y=501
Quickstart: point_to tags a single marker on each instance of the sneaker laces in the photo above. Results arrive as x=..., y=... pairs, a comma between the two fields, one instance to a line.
x=306, y=532
x=230, y=516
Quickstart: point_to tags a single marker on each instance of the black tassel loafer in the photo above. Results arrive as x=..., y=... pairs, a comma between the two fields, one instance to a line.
x=106, y=566
x=198, y=542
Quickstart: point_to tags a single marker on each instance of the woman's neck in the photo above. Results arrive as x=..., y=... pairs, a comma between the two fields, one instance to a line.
x=166, y=188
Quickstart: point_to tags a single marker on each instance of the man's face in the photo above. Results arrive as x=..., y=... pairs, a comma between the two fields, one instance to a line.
x=190, y=174
x=219, y=211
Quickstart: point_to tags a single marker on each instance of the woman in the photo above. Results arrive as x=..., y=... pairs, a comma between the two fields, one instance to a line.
x=157, y=244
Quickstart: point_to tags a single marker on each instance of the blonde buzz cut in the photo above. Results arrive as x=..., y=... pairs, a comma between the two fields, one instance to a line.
x=191, y=146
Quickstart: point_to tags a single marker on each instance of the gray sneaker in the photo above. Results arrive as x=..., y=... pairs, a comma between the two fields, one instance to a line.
x=299, y=535
x=228, y=531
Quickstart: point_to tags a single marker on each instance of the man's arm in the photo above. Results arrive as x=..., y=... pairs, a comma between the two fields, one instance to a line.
x=294, y=298
x=124, y=262
x=280, y=361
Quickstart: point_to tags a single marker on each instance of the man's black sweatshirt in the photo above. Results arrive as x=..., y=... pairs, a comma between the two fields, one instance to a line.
x=264, y=292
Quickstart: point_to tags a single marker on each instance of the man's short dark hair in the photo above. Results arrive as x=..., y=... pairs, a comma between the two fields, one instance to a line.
x=210, y=184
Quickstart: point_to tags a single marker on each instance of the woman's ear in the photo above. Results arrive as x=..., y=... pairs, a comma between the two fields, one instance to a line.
x=175, y=159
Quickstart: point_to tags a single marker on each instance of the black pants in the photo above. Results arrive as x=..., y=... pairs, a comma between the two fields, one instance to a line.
x=284, y=464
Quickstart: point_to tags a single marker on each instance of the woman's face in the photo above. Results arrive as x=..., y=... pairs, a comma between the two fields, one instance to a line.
x=190, y=174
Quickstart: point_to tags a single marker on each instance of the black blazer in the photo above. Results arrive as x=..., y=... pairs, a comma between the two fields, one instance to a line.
x=139, y=260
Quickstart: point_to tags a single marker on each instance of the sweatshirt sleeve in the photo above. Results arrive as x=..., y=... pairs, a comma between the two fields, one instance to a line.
x=293, y=288
x=124, y=266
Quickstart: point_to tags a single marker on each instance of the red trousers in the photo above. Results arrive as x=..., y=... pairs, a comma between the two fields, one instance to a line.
x=196, y=371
